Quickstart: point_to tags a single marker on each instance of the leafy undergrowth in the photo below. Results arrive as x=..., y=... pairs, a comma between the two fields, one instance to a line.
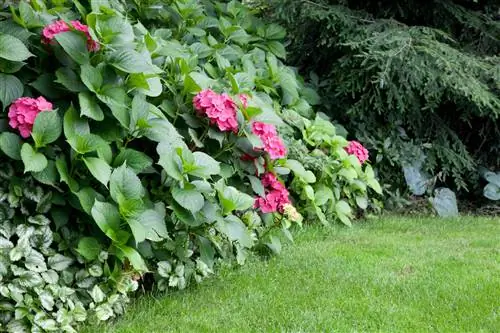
x=391, y=275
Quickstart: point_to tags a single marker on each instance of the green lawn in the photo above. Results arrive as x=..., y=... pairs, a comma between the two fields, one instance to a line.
x=389, y=275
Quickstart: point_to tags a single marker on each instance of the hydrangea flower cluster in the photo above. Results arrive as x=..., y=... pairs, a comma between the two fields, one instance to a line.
x=219, y=108
x=272, y=143
x=355, y=148
x=276, y=198
x=59, y=26
x=23, y=112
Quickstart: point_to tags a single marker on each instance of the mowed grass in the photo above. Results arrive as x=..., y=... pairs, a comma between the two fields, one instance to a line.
x=388, y=275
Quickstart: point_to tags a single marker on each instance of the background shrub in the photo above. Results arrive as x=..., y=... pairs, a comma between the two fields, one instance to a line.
x=416, y=82
x=154, y=137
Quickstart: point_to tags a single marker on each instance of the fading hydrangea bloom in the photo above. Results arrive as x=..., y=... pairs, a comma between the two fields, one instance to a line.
x=23, y=112
x=355, y=148
x=57, y=27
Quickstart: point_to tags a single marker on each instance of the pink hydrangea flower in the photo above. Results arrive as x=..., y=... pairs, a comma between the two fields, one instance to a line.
x=23, y=112
x=271, y=142
x=59, y=26
x=276, y=195
x=219, y=108
x=355, y=148
x=244, y=100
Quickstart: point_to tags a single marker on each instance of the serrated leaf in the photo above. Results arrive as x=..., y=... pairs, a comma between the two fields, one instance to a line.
x=89, y=106
x=189, y=198
x=91, y=77
x=205, y=165
x=33, y=161
x=70, y=80
x=107, y=216
x=125, y=185
x=99, y=169
x=89, y=248
x=47, y=128
x=75, y=45
x=13, y=49
x=131, y=61
x=10, y=89
x=10, y=144
x=136, y=160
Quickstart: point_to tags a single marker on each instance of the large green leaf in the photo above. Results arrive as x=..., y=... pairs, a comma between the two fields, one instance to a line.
x=89, y=248
x=148, y=224
x=13, y=49
x=136, y=160
x=189, y=198
x=91, y=77
x=10, y=144
x=134, y=257
x=236, y=230
x=99, y=169
x=170, y=160
x=47, y=128
x=232, y=199
x=10, y=89
x=131, y=61
x=75, y=45
x=70, y=80
x=205, y=165
x=89, y=106
x=49, y=175
x=33, y=160
x=107, y=216
x=125, y=185
x=87, y=196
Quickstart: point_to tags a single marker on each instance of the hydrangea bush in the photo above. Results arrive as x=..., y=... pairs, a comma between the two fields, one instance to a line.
x=158, y=139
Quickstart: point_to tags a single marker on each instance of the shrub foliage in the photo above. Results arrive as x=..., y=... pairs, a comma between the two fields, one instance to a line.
x=415, y=81
x=143, y=142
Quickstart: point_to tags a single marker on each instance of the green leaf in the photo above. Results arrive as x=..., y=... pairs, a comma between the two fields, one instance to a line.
x=257, y=186
x=107, y=216
x=148, y=224
x=343, y=211
x=89, y=248
x=33, y=161
x=169, y=160
x=62, y=169
x=73, y=124
x=87, y=143
x=164, y=269
x=136, y=160
x=99, y=169
x=10, y=144
x=47, y=128
x=232, y=199
x=90, y=107
x=87, y=197
x=125, y=185
x=134, y=257
x=189, y=198
x=236, y=230
x=68, y=78
x=492, y=192
x=75, y=45
x=206, y=166
x=10, y=89
x=59, y=262
x=140, y=111
x=299, y=171
x=13, y=49
x=131, y=61
x=47, y=302
x=91, y=77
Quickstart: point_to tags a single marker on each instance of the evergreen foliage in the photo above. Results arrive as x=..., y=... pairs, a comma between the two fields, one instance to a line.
x=414, y=80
